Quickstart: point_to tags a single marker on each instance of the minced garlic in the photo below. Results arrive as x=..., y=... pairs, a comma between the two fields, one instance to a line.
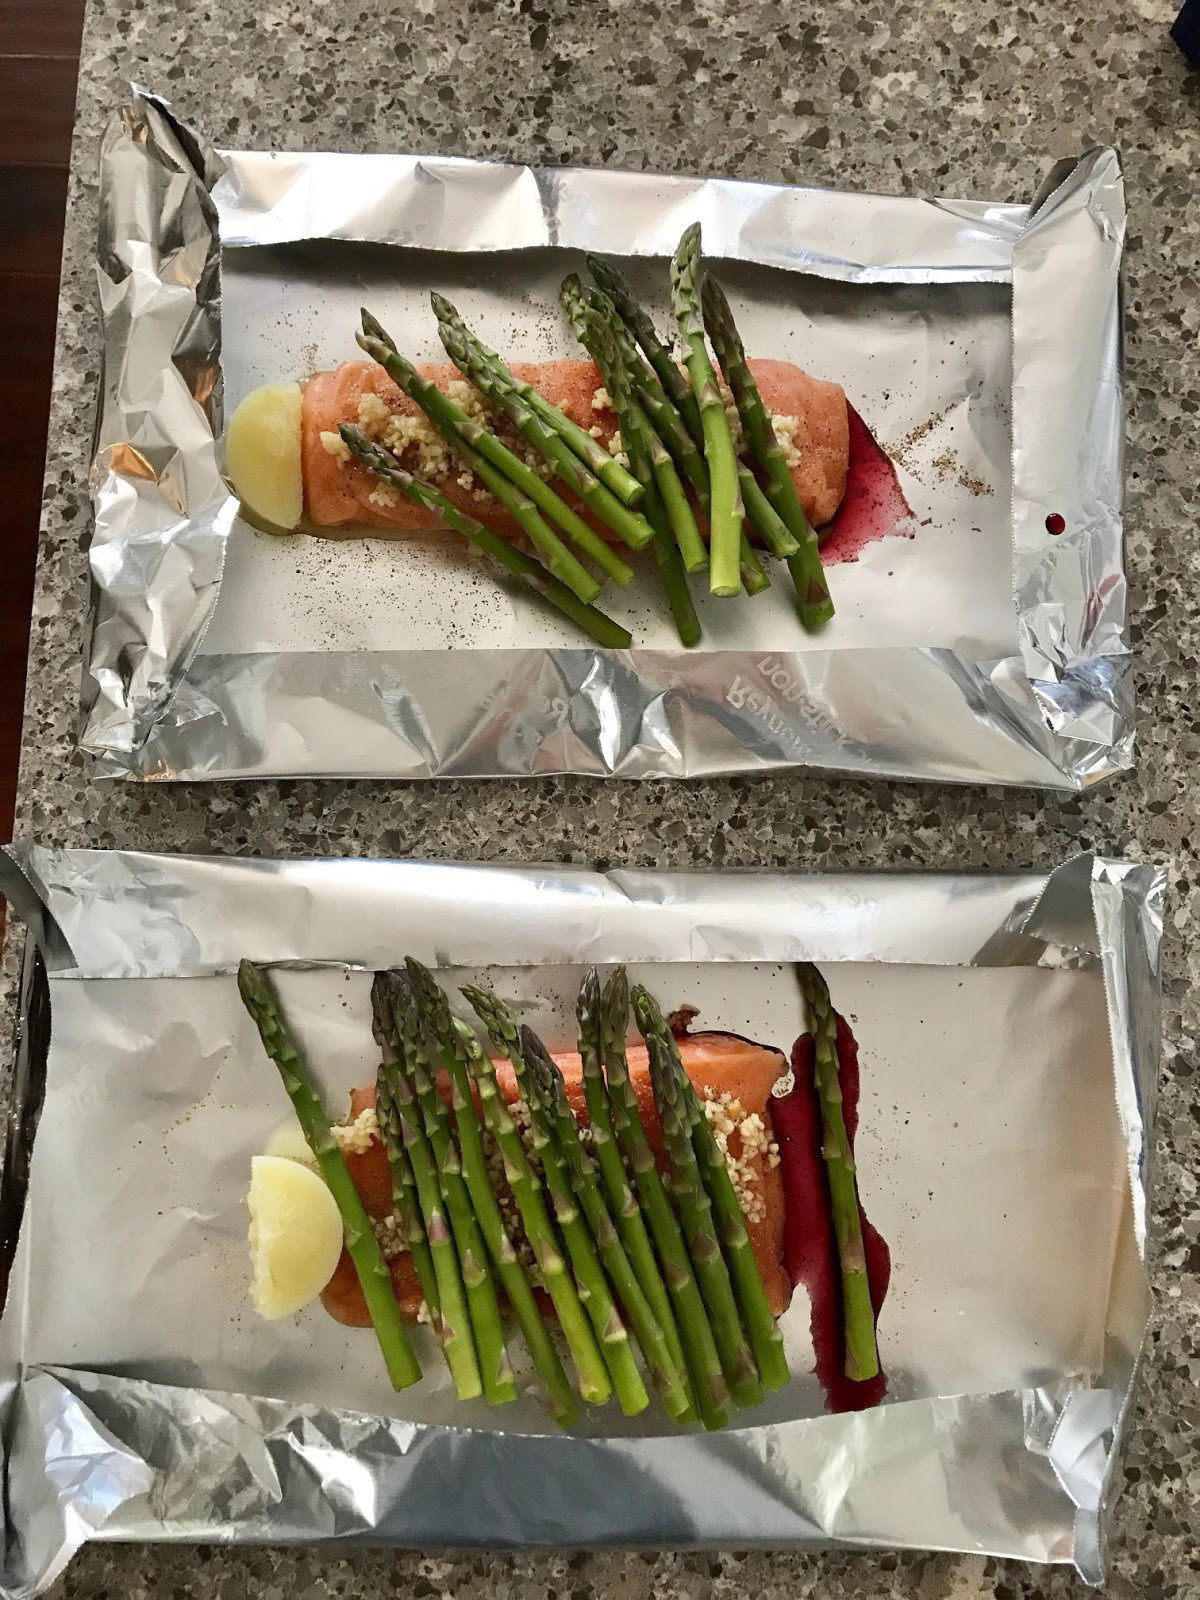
x=390, y=1233
x=601, y=400
x=337, y=447
x=786, y=429
x=354, y=1137
x=745, y=1144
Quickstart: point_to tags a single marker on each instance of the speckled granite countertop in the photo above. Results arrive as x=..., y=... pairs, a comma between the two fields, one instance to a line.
x=951, y=96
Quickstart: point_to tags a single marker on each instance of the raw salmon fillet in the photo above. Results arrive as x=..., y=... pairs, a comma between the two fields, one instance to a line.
x=715, y=1062
x=337, y=494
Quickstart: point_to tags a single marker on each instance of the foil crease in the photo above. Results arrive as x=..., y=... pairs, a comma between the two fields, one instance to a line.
x=103, y=1451
x=1057, y=713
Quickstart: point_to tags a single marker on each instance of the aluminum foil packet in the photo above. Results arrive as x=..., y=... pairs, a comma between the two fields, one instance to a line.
x=980, y=341
x=1008, y=1028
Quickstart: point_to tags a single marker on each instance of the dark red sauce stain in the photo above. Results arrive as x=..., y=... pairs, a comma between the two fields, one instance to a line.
x=873, y=505
x=809, y=1246
x=1056, y=523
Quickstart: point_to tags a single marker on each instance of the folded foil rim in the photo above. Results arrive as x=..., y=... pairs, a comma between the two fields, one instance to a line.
x=1059, y=715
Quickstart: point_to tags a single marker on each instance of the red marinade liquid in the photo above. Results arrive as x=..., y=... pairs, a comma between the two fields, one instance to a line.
x=873, y=505
x=809, y=1246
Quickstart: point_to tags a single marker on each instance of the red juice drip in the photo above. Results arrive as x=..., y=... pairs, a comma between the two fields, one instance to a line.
x=873, y=505
x=809, y=1245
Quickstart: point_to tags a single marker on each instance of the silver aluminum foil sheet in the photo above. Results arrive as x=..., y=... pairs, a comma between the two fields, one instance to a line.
x=1009, y=1035
x=980, y=341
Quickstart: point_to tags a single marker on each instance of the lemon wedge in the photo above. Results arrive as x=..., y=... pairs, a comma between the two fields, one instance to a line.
x=295, y=1235
x=263, y=456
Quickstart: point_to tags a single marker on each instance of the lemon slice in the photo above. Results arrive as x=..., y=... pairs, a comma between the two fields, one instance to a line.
x=263, y=456
x=295, y=1235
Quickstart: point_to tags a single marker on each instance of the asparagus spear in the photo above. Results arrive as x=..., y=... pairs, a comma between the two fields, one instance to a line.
x=373, y=1274
x=676, y=387
x=503, y=1031
x=589, y=1274
x=623, y=1206
x=862, y=1352
x=539, y=1230
x=589, y=450
x=812, y=590
x=694, y=1190
x=517, y=487
x=753, y=573
x=472, y=360
x=644, y=449
x=508, y=1266
x=603, y=629
x=484, y=1308
x=451, y=1042
x=661, y=412
x=618, y=369
x=726, y=536
x=398, y=1112
x=567, y=466
x=581, y=1172
x=684, y=449
x=766, y=1341
x=704, y=1364
x=684, y=446
x=763, y=516
x=404, y=1186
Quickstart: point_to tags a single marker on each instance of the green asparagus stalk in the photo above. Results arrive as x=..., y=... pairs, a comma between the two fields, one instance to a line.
x=463, y=1048
x=581, y=1171
x=644, y=449
x=670, y=427
x=764, y=518
x=693, y=1202
x=766, y=1341
x=539, y=1230
x=640, y=324
x=586, y=450
x=589, y=450
x=753, y=573
x=404, y=1186
x=678, y=425
x=695, y=1330
x=453, y=1043
x=585, y=1262
x=516, y=486
x=726, y=536
x=567, y=466
x=812, y=589
x=862, y=1352
x=482, y=1303
x=661, y=412
x=373, y=1274
x=603, y=629
x=628, y=403
x=399, y=1114
x=622, y=1201
x=503, y=1031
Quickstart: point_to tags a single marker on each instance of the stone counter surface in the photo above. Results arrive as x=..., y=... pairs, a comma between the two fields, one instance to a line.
x=913, y=96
